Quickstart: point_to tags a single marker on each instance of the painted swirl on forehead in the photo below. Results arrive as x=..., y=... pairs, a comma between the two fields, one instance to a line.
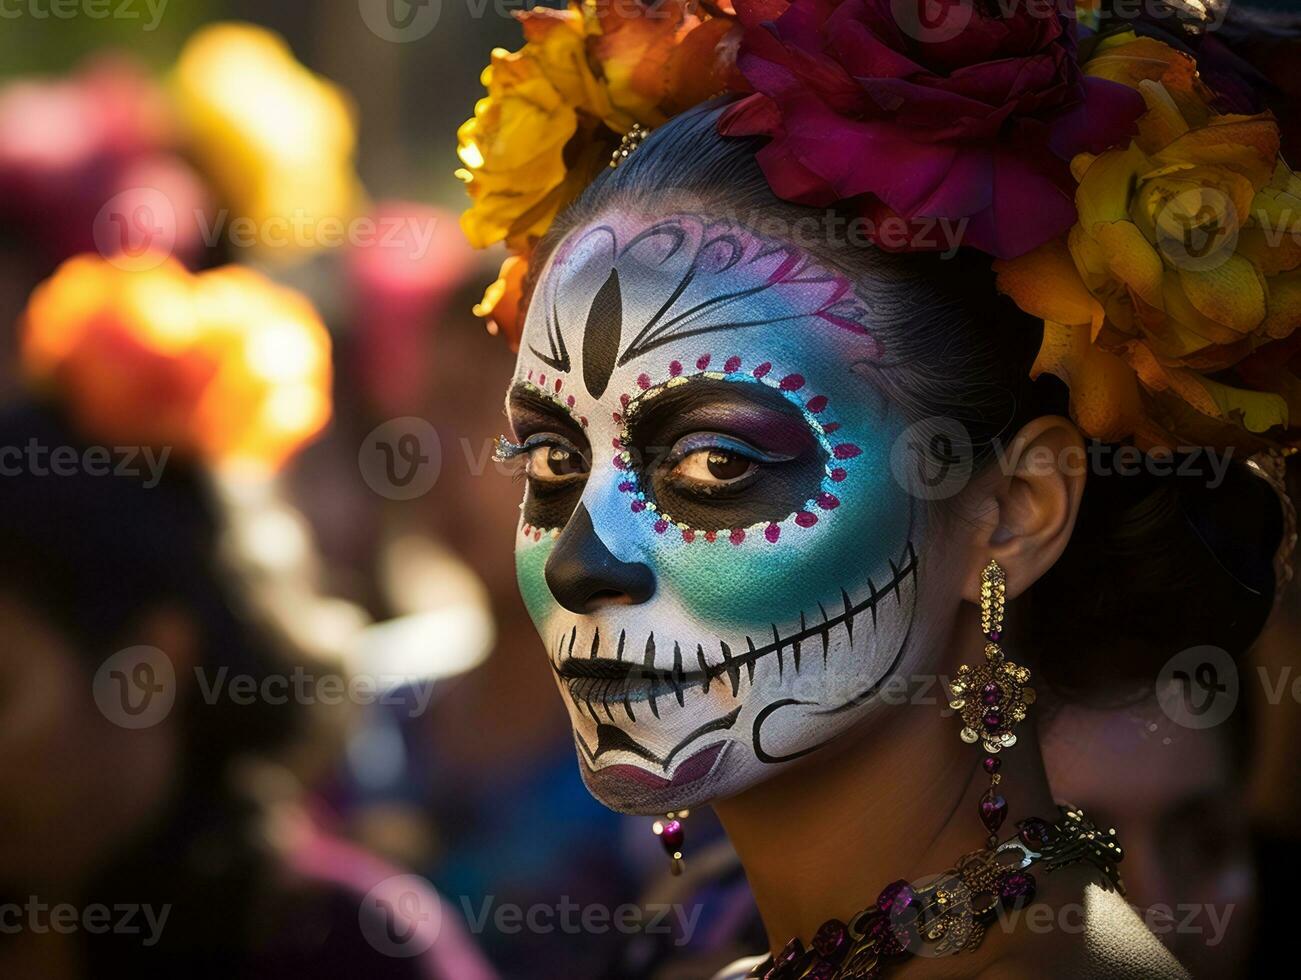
x=697, y=276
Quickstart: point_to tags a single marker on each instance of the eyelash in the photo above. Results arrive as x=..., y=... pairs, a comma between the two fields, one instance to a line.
x=507, y=449
x=701, y=441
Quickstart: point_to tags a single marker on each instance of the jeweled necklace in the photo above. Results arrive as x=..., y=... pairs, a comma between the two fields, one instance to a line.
x=949, y=913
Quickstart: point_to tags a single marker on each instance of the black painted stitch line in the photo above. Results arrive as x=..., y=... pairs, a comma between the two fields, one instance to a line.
x=677, y=674
x=649, y=661
x=629, y=744
x=734, y=674
x=825, y=631
x=731, y=664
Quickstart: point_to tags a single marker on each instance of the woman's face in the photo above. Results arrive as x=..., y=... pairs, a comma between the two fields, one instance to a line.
x=713, y=547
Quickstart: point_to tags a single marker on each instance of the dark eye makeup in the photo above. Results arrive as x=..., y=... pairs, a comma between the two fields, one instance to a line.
x=716, y=455
x=556, y=456
x=711, y=454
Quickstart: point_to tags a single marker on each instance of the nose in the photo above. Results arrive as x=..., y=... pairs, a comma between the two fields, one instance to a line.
x=583, y=575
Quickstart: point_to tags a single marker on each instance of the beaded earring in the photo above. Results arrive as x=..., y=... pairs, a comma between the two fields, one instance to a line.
x=992, y=698
x=671, y=834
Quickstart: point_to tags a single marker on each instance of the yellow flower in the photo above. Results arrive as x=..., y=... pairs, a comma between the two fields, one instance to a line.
x=513, y=151
x=1185, y=262
x=225, y=367
x=556, y=108
x=277, y=140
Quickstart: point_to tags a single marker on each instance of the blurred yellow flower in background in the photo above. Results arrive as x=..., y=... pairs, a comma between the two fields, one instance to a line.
x=225, y=367
x=1185, y=263
x=277, y=140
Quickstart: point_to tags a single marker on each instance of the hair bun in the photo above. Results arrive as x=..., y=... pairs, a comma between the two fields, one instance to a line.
x=1159, y=563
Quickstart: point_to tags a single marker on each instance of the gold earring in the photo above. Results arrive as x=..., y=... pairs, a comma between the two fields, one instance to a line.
x=992, y=698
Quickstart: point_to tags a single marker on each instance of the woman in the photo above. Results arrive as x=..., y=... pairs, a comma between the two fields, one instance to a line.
x=781, y=485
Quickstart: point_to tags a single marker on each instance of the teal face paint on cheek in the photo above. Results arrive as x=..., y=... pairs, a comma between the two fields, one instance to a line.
x=739, y=585
x=530, y=571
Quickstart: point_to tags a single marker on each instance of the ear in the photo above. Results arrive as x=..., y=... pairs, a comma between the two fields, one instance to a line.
x=1029, y=504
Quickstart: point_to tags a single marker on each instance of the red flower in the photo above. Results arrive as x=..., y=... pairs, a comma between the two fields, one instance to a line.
x=970, y=116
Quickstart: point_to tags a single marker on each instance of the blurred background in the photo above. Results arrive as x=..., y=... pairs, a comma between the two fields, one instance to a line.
x=314, y=144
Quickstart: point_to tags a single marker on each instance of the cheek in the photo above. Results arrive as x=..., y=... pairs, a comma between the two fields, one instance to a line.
x=757, y=581
x=530, y=570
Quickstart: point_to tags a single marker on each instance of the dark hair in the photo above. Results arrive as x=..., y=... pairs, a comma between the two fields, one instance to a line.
x=1158, y=563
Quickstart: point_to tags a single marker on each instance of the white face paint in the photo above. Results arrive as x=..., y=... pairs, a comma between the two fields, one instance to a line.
x=713, y=548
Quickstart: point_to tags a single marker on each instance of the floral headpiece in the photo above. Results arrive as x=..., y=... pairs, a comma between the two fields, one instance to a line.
x=1157, y=234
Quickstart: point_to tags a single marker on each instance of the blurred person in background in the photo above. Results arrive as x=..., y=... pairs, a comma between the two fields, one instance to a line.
x=1179, y=792
x=132, y=592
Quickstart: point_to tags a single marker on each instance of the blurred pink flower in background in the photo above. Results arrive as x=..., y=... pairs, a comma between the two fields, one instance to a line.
x=87, y=162
x=401, y=278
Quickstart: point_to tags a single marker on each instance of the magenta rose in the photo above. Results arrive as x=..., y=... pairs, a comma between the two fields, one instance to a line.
x=923, y=110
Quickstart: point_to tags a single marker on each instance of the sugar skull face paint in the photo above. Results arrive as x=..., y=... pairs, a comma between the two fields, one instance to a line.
x=712, y=545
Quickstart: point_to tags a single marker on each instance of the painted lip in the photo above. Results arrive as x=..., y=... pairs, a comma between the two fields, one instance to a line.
x=597, y=682
x=604, y=680
x=623, y=776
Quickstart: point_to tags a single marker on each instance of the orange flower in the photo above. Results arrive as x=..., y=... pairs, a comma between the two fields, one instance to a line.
x=1185, y=262
x=656, y=59
x=502, y=300
x=225, y=367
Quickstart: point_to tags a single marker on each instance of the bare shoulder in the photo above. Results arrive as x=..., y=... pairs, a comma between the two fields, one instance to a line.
x=1113, y=945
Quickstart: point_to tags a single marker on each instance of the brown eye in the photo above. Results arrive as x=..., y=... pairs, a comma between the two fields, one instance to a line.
x=728, y=466
x=713, y=467
x=553, y=463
